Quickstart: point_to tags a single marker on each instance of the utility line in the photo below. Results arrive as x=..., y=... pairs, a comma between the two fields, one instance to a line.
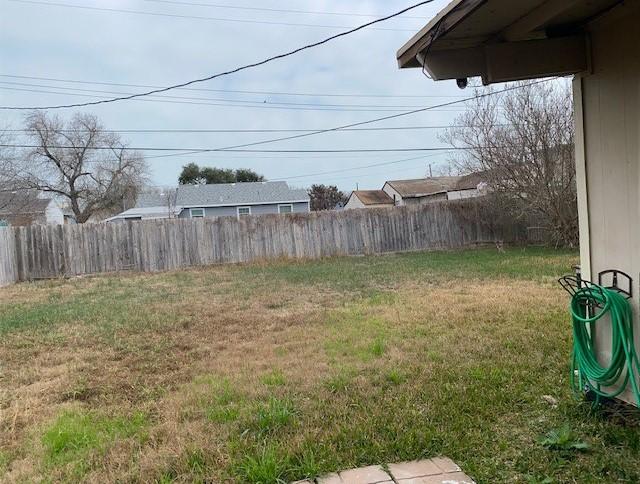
x=262, y=93
x=213, y=101
x=203, y=150
x=344, y=170
x=281, y=10
x=383, y=118
x=229, y=72
x=228, y=131
x=168, y=100
x=352, y=125
x=196, y=17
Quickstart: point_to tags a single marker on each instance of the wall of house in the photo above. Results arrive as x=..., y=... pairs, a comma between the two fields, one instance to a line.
x=608, y=157
x=355, y=202
x=438, y=197
x=389, y=190
x=210, y=212
x=462, y=194
x=54, y=214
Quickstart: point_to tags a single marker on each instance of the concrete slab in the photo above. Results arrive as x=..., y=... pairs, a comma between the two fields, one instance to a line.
x=439, y=470
x=332, y=478
x=446, y=464
x=365, y=475
x=416, y=468
x=448, y=478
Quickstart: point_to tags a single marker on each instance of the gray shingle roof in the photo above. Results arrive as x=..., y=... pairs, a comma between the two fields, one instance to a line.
x=238, y=194
x=155, y=199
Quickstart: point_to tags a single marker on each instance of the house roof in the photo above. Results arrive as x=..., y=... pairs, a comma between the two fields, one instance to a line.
x=22, y=202
x=471, y=181
x=504, y=39
x=156, y=198
x=143, y=212
x=373, y=197
x=255, y=193
x=423, y=187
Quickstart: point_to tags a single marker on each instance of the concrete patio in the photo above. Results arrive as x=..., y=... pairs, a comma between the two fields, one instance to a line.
x=439, y=470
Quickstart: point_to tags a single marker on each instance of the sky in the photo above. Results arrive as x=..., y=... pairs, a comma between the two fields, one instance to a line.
x=46, y=44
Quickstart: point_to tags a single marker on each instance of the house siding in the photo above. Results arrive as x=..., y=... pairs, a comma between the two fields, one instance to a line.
x=462, y=194
x=389, y=190
x=54, y=214
x=232, y=211
x=608, y=159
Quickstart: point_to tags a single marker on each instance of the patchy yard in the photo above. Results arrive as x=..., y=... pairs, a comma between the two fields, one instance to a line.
x=283, y=370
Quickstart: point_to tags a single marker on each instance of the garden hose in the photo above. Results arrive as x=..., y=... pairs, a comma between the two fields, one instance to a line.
x=624, y=366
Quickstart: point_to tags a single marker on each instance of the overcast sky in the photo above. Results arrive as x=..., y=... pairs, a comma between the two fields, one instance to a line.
x=59, y=42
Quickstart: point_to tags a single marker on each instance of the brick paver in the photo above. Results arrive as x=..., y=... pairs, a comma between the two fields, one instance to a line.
x=439, y=470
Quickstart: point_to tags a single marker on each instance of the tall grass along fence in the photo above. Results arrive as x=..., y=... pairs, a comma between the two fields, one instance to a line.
x=37, y=252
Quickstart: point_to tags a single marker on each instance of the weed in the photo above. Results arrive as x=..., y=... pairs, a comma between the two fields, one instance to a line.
x=338, y=383
x=378, y=347
x=268, y=467
x=274, y=415
x=563, y=439
x=274, y=378
x=395, y=377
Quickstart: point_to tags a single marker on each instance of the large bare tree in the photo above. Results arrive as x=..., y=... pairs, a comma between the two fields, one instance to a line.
x=522, y=142
x=81, y=162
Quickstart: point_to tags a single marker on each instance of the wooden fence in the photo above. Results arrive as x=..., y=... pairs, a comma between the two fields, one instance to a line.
x=68, y=250
x=8, y=268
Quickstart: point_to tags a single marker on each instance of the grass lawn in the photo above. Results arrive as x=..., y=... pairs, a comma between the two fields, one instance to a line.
x=262, y=372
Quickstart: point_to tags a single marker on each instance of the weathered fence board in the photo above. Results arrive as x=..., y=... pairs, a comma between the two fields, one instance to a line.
x=8, y=267
x=36, y=252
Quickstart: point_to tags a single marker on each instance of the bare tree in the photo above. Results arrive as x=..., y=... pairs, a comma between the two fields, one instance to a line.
x=7, y=173
x=522, y=142
x=79, y=161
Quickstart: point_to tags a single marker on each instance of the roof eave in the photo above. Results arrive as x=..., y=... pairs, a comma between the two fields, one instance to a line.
x=446, y=19
x=520, y=51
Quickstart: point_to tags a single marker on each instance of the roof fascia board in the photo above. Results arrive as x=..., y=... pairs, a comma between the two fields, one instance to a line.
x=510, y=61
x=448, y=18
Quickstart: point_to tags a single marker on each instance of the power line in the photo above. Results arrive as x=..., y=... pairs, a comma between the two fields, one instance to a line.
x=262, y=93
x=280, y=10
x=383, y=118
x=211, y=101
x=352, y=125
x=203, y=150
x=195, y=17
x=229, y=131
x=229, y=72
x=344, y=170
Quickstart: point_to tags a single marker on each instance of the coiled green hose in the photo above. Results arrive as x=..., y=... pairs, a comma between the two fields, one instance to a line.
x=624, y=366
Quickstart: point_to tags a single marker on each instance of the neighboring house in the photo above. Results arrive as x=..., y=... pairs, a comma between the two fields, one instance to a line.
x=220, y=200
x=28, y=207
x=433, y=189
x=368, y=199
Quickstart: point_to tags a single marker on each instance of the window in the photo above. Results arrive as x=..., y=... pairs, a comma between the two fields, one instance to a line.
x=244, y=211
x=196, y=212
x=285, y=208
x=4, y=223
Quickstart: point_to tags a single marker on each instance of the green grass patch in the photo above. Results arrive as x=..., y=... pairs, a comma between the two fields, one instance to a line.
x=274, y=378
x=265, y=467
x=74, y=435
x=274, y=415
